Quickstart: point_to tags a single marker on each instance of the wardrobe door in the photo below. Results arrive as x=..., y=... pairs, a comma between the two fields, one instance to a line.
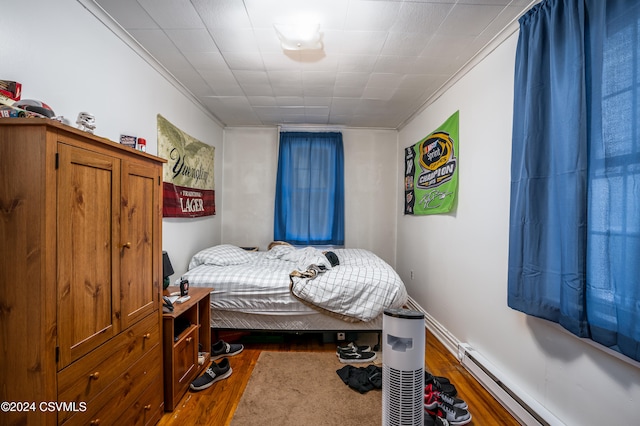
x=140, y=245
x=88, y=197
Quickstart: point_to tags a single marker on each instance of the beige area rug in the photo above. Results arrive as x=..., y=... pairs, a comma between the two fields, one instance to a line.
x=302, y=388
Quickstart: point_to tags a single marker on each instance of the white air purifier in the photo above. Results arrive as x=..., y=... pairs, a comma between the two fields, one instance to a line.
x=403, y=347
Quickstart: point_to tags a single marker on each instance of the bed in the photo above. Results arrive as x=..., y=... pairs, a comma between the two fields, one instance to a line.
x=296, y=289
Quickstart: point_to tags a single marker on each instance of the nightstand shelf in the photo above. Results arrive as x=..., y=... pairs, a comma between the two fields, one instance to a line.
x=186, y=331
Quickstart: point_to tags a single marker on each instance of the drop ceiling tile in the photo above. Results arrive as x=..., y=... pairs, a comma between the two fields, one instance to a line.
x=280, y=62
x=128, y=14
x=394, y=64
x=381, y=93
x=260, y=101
x=244, y=61
x=371, y=16
x=229, y=14
x=324, y=101
x=423, y=18
x=317, y=62
x=222, y=82
x=289, y=101
x=356, y=63
x=339, y=119
x=237, y=40
x=267, y=40
x=287, y=90
x=160, y=47
x=419, y=82
x=354, y=79
x=207, y=61
x=384, y=80
x=348, y=91
x=509, y=14
x=251, y=77
x=362, y=42
x=405, y=44
x=316, y=90
x=192, y=40
x=401, y=95
x=285, y=77
x=468, y=20
x=193, y=81
x=318, y=77
x=330, y=14
x=256, y=89
x=344, y=105
x=316, y=119
x=170, y=14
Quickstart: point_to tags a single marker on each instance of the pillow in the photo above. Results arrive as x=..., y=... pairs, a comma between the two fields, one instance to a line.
x=221, y=255
x=276, y=251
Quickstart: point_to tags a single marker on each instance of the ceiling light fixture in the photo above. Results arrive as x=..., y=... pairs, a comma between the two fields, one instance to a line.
x=299, y=37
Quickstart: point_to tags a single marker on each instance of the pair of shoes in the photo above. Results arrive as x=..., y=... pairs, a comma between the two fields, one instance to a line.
x=440, y=383
x=430, y=420
x=216, y=372
x=454, y=415
x=221, y=349
x=432, y=397
x=352, y=347
x=356, y=355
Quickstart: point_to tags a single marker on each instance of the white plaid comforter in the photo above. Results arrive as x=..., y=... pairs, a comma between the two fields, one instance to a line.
x=360, y=287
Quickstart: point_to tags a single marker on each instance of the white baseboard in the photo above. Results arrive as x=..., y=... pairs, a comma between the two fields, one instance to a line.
x=522, y=406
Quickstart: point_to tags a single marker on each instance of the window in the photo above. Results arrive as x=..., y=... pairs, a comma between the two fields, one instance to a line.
x=574, y=239
x=309, y=206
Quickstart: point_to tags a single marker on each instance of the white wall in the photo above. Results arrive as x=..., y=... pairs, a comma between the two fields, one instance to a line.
x=65, y=57
x=250, y=168
x=460, y=263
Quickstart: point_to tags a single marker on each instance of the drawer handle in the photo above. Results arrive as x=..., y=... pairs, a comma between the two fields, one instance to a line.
x=126, y=245
x=147, y=407
x=147, y=336
x=189, y=339
x=95, y=422
x=95, y=375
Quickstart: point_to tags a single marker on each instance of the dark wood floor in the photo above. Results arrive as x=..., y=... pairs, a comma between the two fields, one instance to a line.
x=215, y=406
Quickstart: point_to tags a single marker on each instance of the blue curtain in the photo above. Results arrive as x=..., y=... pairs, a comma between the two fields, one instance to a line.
x=309, y=206
x=574, y=237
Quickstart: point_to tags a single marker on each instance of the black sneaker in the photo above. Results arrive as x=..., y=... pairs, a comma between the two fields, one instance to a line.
x=216, y=372
x=355, y=357
x=446, y=388
x=221, y=349
x=454, y=415
x=352, y=347
x=432, y=396
x=441, y=379
x=430, y=420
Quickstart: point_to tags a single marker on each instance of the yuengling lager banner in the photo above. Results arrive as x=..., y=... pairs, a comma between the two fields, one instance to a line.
x=189, y=189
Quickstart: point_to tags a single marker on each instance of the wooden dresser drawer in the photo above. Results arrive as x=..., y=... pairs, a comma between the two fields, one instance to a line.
x=91, y=374
x=125, y=391
x=147, y=410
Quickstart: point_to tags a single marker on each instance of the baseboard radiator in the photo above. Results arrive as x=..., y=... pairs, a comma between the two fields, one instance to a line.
x=524, y=408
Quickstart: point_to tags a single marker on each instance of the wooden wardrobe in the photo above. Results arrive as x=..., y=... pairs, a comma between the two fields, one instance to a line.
x=81, y=270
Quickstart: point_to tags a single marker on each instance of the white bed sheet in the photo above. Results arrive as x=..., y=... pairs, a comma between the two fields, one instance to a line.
x=259, y=282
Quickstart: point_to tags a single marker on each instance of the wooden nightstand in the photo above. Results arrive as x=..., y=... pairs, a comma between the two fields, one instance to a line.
x=186, y=331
